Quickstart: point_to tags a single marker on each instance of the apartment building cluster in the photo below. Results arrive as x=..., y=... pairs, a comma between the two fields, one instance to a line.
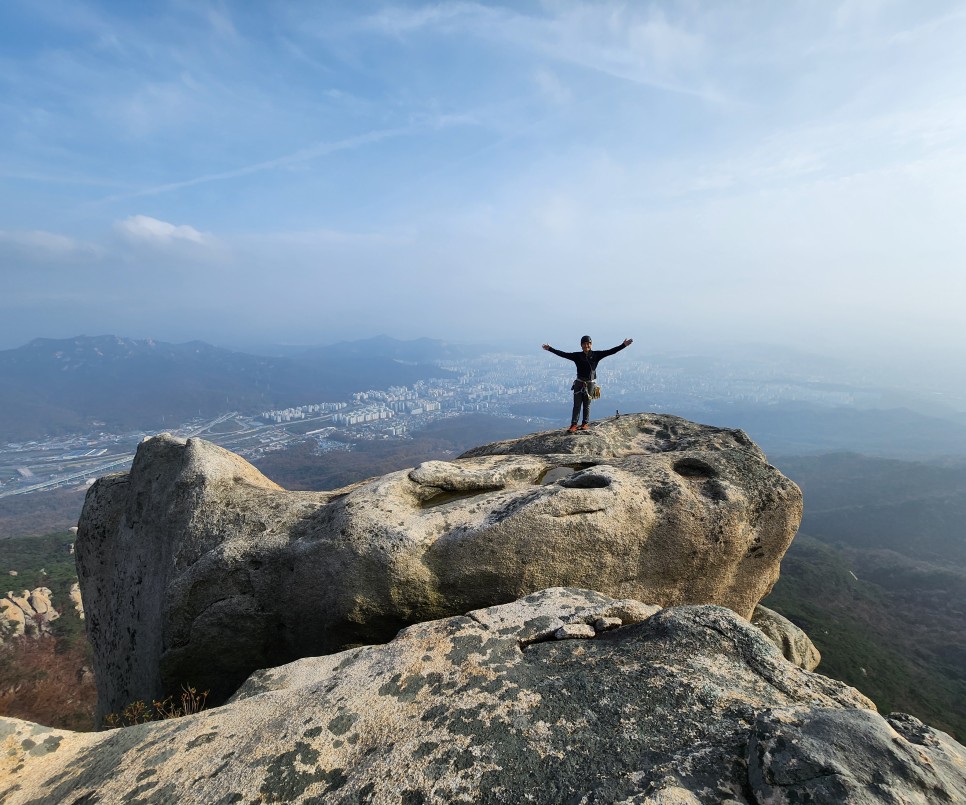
x=402, y=400
x=301, y=412
x=368, y=413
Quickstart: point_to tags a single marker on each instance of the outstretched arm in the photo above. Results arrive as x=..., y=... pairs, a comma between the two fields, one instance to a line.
x=625, y=343
x=557, y=352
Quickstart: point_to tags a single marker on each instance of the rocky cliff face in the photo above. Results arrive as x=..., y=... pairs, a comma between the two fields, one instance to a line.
x=197, y=569
x=564, y=696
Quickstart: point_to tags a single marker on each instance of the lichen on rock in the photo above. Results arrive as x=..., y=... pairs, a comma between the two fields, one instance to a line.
x=682, y=704
x=197, y=569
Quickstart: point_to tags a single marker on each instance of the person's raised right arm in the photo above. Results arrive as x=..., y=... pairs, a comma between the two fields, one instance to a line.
x=557, y=352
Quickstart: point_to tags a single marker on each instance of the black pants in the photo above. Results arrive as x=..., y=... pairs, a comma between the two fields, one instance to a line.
x=581, y=398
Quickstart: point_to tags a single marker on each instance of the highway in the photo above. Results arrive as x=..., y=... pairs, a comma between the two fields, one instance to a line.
x=58, y=464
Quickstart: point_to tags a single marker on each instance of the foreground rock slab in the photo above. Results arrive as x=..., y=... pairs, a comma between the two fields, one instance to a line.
x=196, y=569
x=683, y=705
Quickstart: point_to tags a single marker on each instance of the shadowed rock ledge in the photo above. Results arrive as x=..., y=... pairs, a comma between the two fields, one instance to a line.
x=196, y=569
x=688, y=705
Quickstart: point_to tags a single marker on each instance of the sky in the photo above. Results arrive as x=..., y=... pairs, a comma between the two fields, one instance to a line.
x=689, y=172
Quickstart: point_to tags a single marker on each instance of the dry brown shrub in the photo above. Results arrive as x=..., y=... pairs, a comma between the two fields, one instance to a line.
x=47, y=683
x=190, y=702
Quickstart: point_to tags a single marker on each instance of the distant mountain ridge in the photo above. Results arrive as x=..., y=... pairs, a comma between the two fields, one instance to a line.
x=52, y=386
x=419, y=350
x=916, y=509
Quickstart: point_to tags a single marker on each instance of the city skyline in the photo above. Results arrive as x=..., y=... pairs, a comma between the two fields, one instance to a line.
x=675, y=173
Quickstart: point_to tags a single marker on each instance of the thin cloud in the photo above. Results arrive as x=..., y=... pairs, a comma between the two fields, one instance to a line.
x=421, y=162
x=45, y=246
x=396, y=21
x=145, y=228
x=552, y=87
x=303, y=155
x=221, y=23
x=926, y=30
x=633, y=43
x=57, y=178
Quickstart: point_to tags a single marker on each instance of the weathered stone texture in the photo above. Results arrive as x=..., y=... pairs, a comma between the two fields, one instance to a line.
x=795, y=645
x=683, y=705
x=196, y=569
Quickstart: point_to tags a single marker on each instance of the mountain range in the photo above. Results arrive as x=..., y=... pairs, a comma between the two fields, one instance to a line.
x=53, y=386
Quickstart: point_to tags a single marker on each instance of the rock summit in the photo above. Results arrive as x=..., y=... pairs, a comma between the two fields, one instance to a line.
x=196, y=569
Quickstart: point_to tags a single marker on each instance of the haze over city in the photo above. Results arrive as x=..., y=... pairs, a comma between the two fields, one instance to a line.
x=682, y=173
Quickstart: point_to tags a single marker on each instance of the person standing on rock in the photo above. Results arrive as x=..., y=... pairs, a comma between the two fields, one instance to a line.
x=585, y=385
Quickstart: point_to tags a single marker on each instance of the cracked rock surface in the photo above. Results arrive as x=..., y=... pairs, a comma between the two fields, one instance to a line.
x=196, y=569
x=687, y=704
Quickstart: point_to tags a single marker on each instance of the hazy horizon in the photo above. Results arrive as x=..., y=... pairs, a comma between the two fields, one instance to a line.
x=684, y=174
x=933, y=384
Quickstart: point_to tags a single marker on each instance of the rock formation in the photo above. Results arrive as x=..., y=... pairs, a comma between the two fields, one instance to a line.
x=76, y=599
x=28, y=614
x=794, y=644
x=196, y=569
x=688, y=705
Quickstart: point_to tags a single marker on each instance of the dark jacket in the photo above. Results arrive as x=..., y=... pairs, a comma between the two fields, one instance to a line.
x=587, y=362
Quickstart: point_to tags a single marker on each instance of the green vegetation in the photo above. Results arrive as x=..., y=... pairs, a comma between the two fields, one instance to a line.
x=916, y=509
x=47, y=679
x=40, y=562
x=31, y=554
x=897, y=633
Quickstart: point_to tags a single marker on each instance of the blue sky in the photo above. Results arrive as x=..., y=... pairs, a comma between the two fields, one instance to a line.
x=680, y=172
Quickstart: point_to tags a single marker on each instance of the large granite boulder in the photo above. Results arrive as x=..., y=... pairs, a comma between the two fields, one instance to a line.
x=196, y=569
x=28, y=614
x=688, y=705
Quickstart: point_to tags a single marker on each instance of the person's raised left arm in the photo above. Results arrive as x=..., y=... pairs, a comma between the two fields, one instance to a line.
x=623, y=345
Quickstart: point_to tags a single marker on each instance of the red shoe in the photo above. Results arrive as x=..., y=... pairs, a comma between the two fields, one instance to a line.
x=572, y=429
x=585, y=426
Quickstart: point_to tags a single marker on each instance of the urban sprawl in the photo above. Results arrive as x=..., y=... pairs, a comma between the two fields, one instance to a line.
x=494, y=383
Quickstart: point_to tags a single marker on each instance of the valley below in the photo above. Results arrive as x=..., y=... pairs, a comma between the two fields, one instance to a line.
x=876, y=575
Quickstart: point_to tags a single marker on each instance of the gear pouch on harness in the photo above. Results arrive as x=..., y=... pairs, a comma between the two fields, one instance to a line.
x=590, y=388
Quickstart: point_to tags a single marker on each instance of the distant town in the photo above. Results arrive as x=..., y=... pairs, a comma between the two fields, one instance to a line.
x=499, y=384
